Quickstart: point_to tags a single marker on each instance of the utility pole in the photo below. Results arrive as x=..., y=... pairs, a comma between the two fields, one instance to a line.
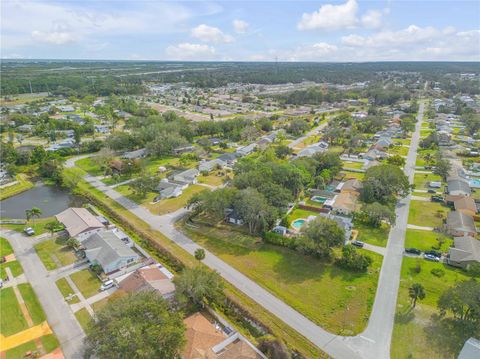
x=30, y=82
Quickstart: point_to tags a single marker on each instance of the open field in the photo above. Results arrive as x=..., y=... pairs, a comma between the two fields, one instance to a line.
x=425, y=240
x=427, y=214
x=426, y=335
x=12, y=318
x=172, y=204
x=421, y=180
x=87, y=282
x=371, y=235
x=337, y=299
x=90, y=166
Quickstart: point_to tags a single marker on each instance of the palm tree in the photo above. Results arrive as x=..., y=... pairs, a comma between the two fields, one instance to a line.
x=32, y=213
x=416, y=292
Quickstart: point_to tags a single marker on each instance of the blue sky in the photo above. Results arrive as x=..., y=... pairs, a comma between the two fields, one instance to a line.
x=346, y=30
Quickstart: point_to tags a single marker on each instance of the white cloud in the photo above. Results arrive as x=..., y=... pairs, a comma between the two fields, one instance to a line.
x=372, y=19
x=240, y=26
x=331, y=17
x=207, y=33
x=54, y=37
x=188, y=51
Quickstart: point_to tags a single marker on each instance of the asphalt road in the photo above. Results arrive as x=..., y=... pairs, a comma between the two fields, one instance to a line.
x=315, y=131
x=375, y=341
x=59, y=316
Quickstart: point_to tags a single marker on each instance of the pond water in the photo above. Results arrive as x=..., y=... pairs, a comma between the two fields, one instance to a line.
x=50, y=199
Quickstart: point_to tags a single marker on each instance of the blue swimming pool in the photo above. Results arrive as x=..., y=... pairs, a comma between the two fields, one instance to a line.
x=475, y=183
x=298, y=223
x=318, y=199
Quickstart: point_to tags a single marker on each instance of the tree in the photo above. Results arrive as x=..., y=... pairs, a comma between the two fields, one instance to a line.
x=32, y=213
x=199, y=285
x=463, y=301
x=320, y=236
x=143, y=184
x=273, y=348
x=53, y=226
x=283, y=151
x=200, y=254
x=352, y=259
x=254, y=209
x=71, y=177
x=442, y=167
x=374, y=213
x=297, y=127
x=140, y=325
x=416, y=292
x=396, y=160
x=383, y=183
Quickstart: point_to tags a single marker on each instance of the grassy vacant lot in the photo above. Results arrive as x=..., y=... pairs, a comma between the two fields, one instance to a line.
x=22, y=185
x=398, y=150
x=90, y=166
x=339, y=300
x=375, y=236
x=351, y=174
x=172, y=204
x=12, y=318
x=38, y=225
x=354, y=165
x=83, y=318
x=425, y=240
x=426, y=336
x=32, y=303
x=421, y=156
x=54, y=248
x=213, y=179
x=420, y=180
x=427, y=214
x=151, y=165
x=66, y=290
x=87, y=282
x=15, y=266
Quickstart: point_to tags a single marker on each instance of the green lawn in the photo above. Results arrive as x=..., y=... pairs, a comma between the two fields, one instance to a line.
x=427, y=214
x=375, y=236
x=31, y=302
x=338, y=300
x=420, y=180
x=19, y=352
x=66, y=290
x=12, y=320
x=426, y=336
x=83, y=318
x=421, y=156
x=425, y=240
x=38, y=225
x=50, y=342
x=151, y=165
x=55, y=247
x=14, y=266
x=351, y=174
x=87, y=282
x=398, y=150
x=354, y=165
x=300, y=213
x=213, y=179
x=89, y=165
x=22, y=185
x=172, y=204
x=127, y=192
x=5, y=247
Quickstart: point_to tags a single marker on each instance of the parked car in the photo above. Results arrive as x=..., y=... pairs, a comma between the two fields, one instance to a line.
x=413, y=251
x=29, y=231
x=358, y=244
x=434, y=253
x=436, y=199
x=431, y=191
x=107, y=285
x=431, y=258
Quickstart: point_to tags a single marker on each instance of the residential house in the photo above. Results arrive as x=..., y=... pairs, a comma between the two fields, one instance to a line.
x=346, y=223
x=207, y=340
x=351, y=186
x=246, y=150
x=466, y=205
x=207, y=166
x=135, y=155
x=383, y=143
x=313, y=149
x=374, y=154
x=229, y=158
x=79, y=222
x=167, y=189
x=345, y=203
x=66, y=108
x=466, y=251
x=183, y=149
x=187, y=177
x=458, y=187
x=460, y=224
x=110, y=252
x=233, y=217
x=470, y=350
x=152, y=277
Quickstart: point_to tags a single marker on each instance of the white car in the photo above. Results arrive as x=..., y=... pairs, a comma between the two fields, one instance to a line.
x=29, y=231
x=107, y=285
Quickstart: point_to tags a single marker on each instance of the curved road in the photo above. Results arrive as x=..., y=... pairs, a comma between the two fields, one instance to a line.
x=373, y=343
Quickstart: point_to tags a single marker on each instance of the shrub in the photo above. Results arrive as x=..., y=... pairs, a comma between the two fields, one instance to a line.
x=352, y=259
x=437, y=272
x=279, y=240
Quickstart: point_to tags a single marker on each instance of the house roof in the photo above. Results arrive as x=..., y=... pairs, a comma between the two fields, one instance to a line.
x=105, y=248
x=458, y=185
x=346, y=201
x=201, y=336
x=466, y=249
x=228, y=157
x=239, y=349
x=465, y=203
x=147, y=278
x=186, y=176
x=470, y=350
x=78, y=220
x=352, y=185
x=461, y=222
x=135, y=154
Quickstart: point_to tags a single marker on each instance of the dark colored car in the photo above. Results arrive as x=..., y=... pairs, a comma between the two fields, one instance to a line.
x=436, y=199
x=434, y=253
x=358, y=244
x=431, y=191
x=413, y=251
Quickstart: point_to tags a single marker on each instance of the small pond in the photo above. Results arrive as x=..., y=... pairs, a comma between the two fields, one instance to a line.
x=50, y=199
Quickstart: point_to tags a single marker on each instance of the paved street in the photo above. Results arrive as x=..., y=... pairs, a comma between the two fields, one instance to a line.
x=375, y=341
x=315, y=131
x=59, y=315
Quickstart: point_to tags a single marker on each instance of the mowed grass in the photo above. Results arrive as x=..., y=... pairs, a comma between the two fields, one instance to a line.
x=338, y=300
x=38, y=225
x=15, y=266
x=354, y=165
x=55, y=247
x=87, y=282
x=352, y=175
x=426, y=240
x=90, y=166
x=83, y=318
x=19, y=351
x=12, y=320
x=427, y=214
x=213, y=179
x=169, y=205
x=65, y=288
x=31, y=302
x=372, y=235
x=22, y=185
x=398, y=150
x=421, y=180
x=418, y=327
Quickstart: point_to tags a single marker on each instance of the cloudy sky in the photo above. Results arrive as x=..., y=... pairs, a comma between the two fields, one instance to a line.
x=345, y=30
